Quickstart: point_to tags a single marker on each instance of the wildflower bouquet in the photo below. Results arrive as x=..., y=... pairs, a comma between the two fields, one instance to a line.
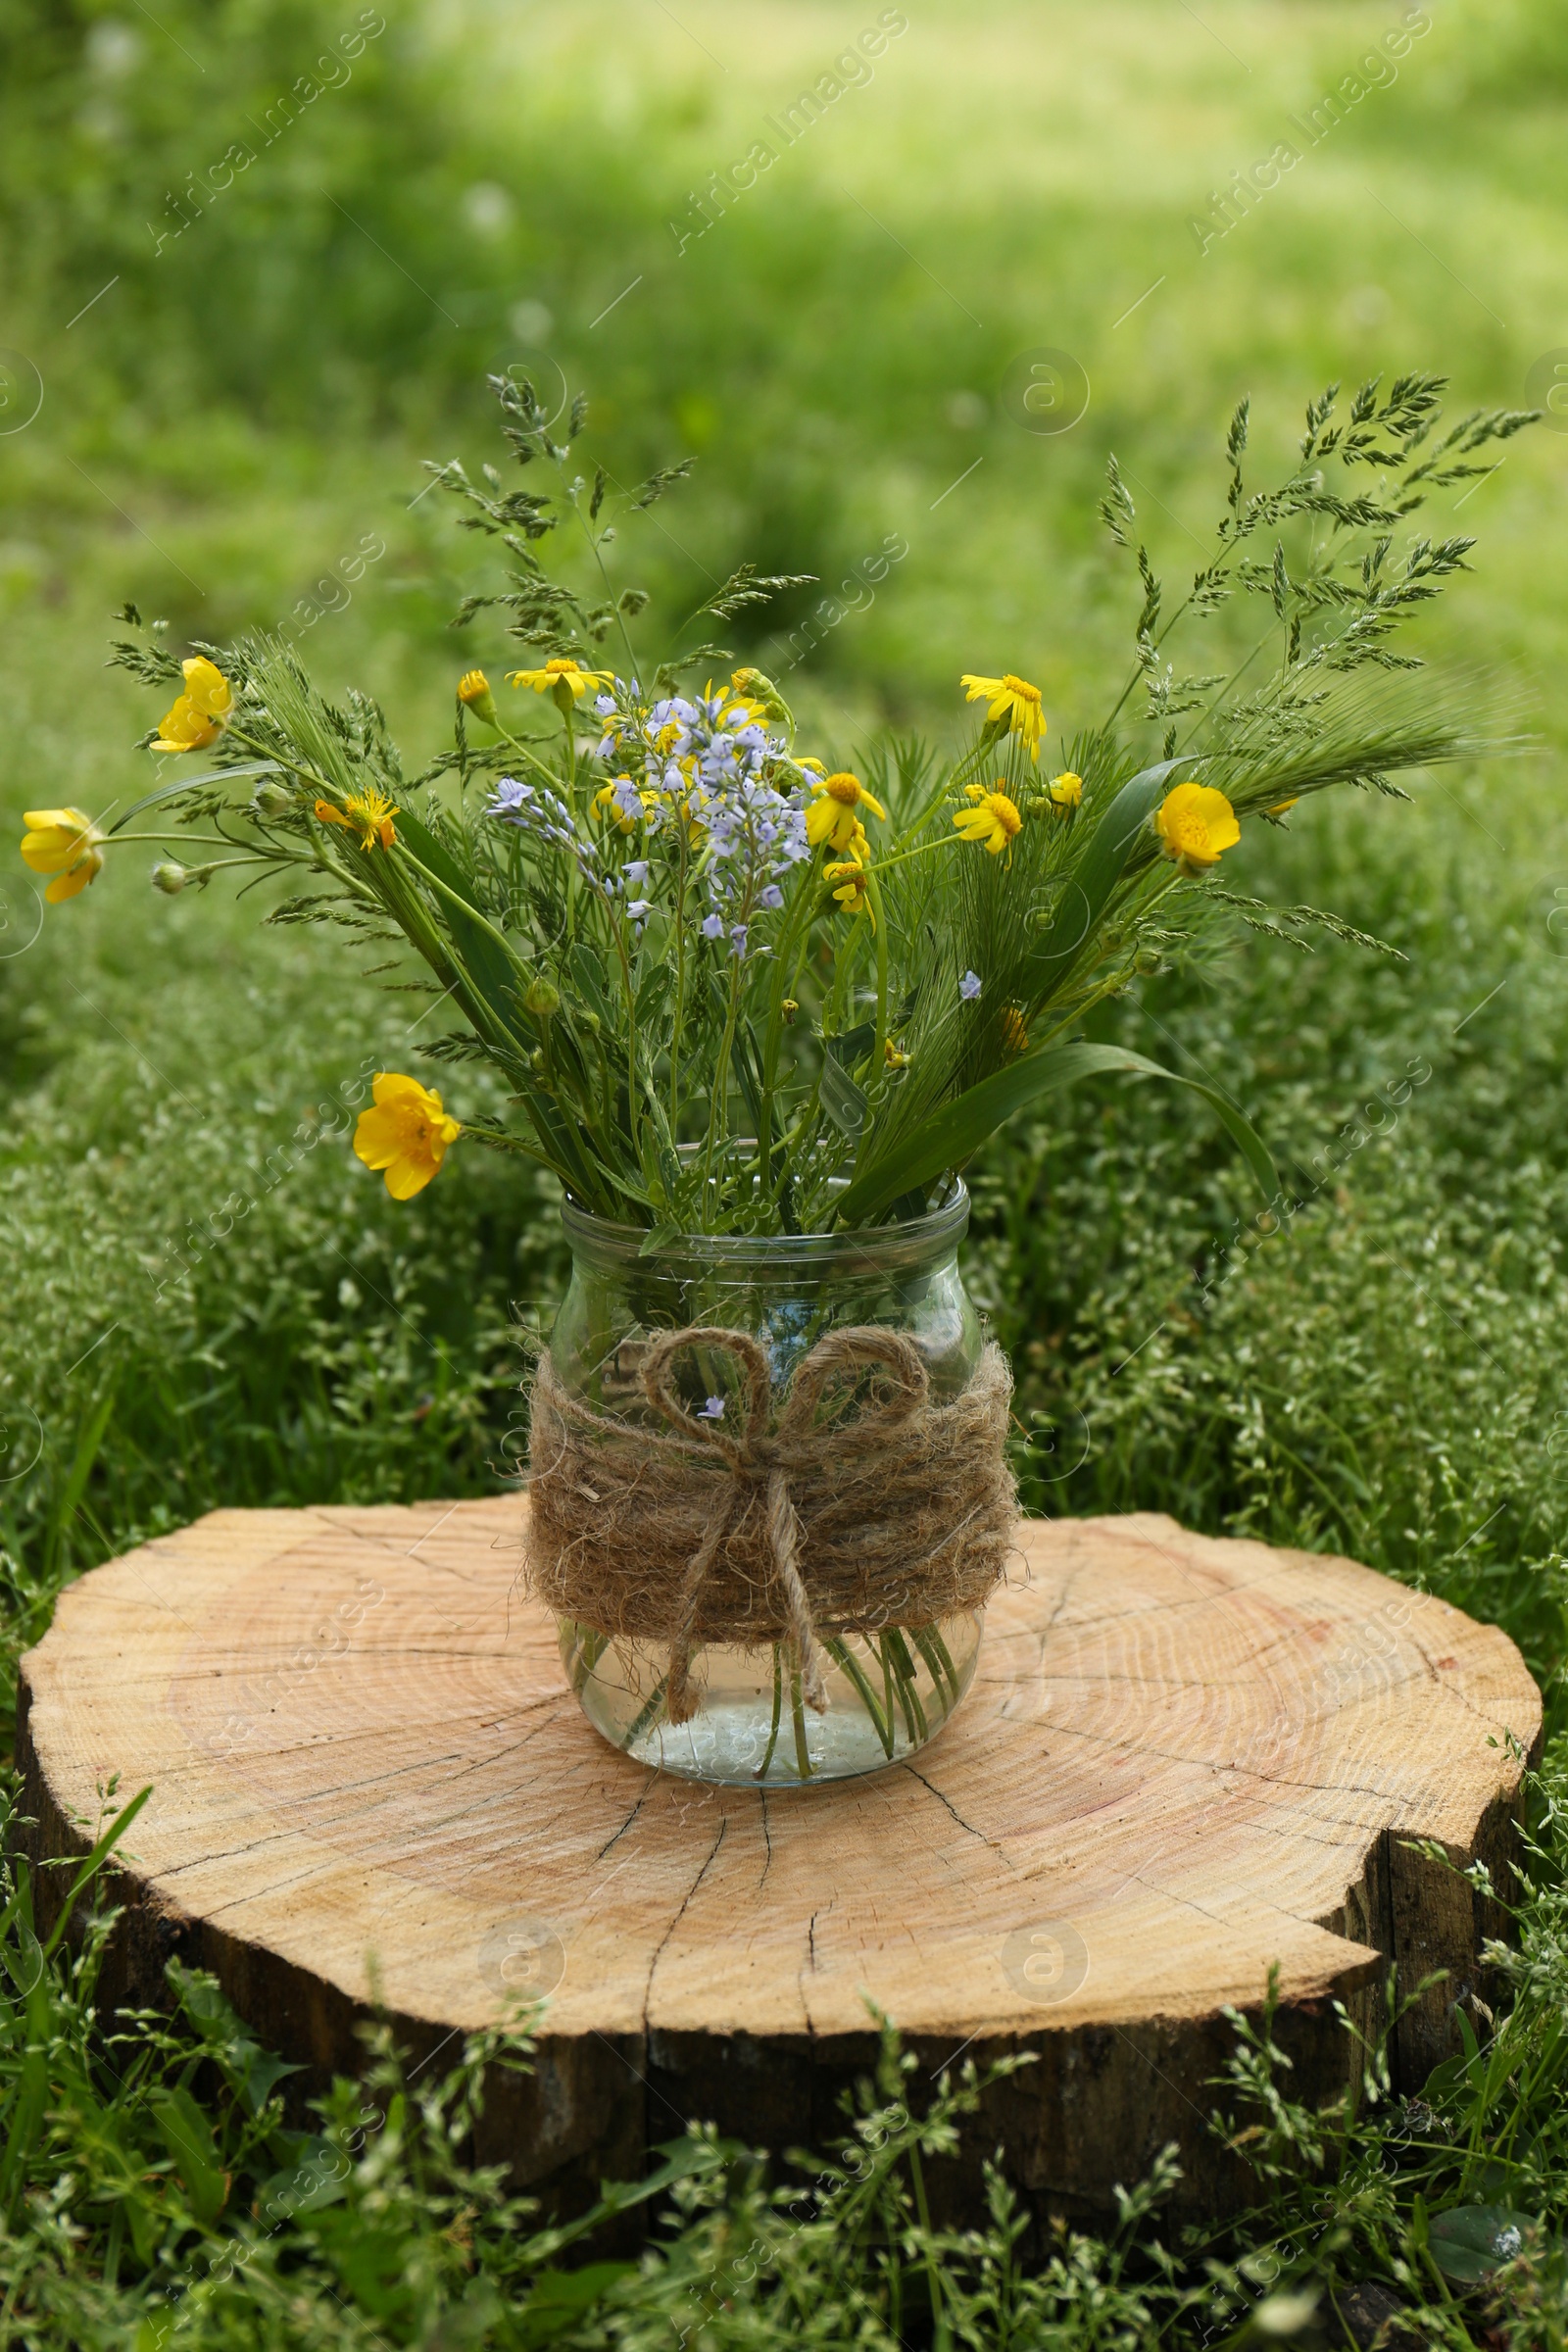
x=733, y=985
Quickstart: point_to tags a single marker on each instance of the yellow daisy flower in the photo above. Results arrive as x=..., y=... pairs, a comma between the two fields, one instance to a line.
x=847, y=881
x=1066, y=792
x=369, y=814
x=1196, y=825
x=831, y=817
x=1014, y=702
x=64, y=843
x=201, y=714
x=561, y=676
x=992, y=821
x=405, y=1134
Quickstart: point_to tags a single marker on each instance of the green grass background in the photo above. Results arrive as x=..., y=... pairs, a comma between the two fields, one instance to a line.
x=233, y=414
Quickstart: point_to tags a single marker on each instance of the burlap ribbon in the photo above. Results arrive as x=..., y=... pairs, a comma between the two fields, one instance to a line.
x=898, y=1514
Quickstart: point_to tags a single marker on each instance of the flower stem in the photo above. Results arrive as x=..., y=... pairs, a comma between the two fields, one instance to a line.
x=803, y=1758
x=843, y=1657
x=760, y=1774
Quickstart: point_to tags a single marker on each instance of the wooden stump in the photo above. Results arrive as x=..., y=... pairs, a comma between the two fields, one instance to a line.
x=1183, y=1762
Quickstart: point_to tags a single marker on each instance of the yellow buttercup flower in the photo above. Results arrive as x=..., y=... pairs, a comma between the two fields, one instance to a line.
x=369, y=813
x=831, y=815
x=64, y=843
x=1197, y=825
x=1284, y=808
x=992, y=821
x=561, y=675
x=1014, y=1031
x=405, y=1134
x=473, y=693
x=847, y=881
x=1011, y=701
x=1066, y=792
x=893, y=1056
x=201, y=714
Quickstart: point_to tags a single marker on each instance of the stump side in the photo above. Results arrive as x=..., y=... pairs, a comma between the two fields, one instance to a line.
x=1185, y=1761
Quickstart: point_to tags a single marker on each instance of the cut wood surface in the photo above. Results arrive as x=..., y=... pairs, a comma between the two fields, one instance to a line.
x=1184, y=1762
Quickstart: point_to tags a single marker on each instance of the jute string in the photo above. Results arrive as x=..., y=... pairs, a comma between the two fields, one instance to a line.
x=825, y=1522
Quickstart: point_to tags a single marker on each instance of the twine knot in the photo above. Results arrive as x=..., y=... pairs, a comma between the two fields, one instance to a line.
x=758, y=1457
x=898, y=1513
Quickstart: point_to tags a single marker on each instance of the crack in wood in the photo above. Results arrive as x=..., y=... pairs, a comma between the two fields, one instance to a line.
x=626, y=1823
x=935, y=1792
x=686, y=1900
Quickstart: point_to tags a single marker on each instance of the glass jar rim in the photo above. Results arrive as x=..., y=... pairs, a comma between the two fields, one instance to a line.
x=872, y=1248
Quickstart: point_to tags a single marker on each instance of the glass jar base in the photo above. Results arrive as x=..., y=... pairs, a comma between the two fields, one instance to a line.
x=889, y=1695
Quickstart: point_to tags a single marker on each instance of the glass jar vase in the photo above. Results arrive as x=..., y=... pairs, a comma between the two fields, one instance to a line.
x=887, y=1686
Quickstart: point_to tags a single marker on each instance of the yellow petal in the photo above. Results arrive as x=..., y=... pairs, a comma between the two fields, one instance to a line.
x=67, y=886
x=45, y=853
x=207, y=690
x=395, y=1086
x=377, y=1138
x=41, y=819
x=405, y=1177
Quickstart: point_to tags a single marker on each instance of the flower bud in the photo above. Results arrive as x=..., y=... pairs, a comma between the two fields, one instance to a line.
x=473, y=693
x=1148, y=959
x=272, y=800
x=761, y=690
x=169, y=878
x=541, y=997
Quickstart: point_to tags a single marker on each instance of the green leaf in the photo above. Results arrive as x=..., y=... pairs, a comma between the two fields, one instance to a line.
x=187, y=2135
x=852, y=1045
x=214, y=776
x=845, y=1102
x=653, y=990
x=586, y=971
x=560, y=2298
x=1081, y=909
x=92, y=1863
x=491, y=965
x=953, y=1134
x=1469, y=2243
x=318, y=2177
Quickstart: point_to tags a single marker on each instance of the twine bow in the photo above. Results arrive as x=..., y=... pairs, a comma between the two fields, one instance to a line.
x=758, y=1457
x=898, y=1513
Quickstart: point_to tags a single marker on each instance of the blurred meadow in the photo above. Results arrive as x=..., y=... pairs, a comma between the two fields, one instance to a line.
x=220, y=382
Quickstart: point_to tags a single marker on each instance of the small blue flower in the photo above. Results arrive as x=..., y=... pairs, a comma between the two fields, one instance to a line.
x=773, y=897
x=712, y=926
x=969, y=987
x=639, y=909
x=713, y=1410
x=637, y=869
